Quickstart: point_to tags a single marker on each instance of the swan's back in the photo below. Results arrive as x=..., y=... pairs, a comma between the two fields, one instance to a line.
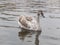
x=22, y=20
x=28, y=22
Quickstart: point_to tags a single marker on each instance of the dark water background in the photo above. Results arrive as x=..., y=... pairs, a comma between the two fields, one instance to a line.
x=11, y=34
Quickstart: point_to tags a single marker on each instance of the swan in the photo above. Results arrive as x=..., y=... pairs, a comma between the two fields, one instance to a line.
x=30, y=22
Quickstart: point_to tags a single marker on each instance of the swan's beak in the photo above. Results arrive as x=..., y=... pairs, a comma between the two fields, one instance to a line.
x=42, y=14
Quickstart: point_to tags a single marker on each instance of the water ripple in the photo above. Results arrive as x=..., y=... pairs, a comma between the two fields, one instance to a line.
x=8, y=26
x=10, y=14
x=6, y=19
x=50, y=37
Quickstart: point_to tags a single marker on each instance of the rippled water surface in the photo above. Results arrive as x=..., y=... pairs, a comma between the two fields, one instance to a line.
x=11, y=34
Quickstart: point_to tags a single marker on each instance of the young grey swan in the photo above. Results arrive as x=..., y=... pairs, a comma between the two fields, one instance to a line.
x=29, y=22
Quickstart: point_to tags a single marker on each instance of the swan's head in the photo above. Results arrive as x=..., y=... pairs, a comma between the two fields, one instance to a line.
x=40, y=12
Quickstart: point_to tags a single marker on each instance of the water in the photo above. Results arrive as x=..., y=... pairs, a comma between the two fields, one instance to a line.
x=11, y=34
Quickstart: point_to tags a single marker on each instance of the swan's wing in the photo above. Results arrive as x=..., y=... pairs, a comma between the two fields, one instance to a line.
x=28, y=24
x=23, y=22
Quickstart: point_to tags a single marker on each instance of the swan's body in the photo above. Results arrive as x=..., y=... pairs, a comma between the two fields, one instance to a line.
x=29, y=22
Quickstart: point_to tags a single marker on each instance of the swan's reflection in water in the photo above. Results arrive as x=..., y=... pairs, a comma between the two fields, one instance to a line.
x=26, y=33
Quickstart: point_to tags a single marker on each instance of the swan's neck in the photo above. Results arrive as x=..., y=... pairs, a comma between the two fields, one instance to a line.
x=38, y=18
x=38, y=21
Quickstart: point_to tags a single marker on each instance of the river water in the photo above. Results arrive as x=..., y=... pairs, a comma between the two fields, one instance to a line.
x=11, y=34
